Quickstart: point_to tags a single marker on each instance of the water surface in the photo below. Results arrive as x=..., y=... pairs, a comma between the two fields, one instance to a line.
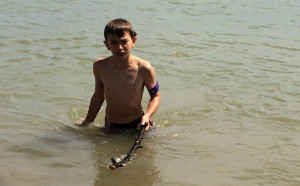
x=230, y=85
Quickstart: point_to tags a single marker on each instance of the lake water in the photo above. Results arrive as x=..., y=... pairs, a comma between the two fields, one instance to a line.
x=229, y=80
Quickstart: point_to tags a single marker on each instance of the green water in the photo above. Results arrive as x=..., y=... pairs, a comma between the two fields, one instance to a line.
x=229, y=80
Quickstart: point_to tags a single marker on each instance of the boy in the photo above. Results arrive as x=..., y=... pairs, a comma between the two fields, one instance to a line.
x=120, y=80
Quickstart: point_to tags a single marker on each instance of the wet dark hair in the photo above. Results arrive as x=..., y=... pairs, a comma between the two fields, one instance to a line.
x=118, y=27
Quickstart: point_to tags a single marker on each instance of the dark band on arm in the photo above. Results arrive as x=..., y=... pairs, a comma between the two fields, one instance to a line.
x=154, y=90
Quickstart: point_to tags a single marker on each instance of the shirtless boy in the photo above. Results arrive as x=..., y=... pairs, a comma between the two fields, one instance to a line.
x=120, y=80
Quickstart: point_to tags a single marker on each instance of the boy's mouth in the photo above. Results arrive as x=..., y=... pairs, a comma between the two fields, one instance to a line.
x=121, y=54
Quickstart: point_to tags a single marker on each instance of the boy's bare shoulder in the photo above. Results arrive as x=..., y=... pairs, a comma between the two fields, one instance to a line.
x=100, y=62
x=144, y=64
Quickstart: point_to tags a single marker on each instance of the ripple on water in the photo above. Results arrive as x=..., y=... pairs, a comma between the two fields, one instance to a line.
x=229, y=84
x=24, y=42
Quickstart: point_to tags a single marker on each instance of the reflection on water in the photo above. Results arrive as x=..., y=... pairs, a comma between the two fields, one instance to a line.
x=140, y=171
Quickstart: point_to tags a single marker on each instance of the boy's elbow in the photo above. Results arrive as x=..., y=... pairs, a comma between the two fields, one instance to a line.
x=159, y=98
x=98, y=97
x=156, y=97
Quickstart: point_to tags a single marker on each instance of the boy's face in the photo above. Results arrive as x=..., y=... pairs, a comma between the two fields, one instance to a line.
x=120, y=47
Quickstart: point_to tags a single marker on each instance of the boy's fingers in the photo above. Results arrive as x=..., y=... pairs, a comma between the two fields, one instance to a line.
x=146, y=125
x=139, y=126
x=78, y=122
x=83, y=123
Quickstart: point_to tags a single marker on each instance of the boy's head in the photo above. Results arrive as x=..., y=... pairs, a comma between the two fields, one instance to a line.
x=118, y=27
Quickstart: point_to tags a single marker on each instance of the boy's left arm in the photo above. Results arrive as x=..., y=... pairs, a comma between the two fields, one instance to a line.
x=152, y=107
x=151, y=84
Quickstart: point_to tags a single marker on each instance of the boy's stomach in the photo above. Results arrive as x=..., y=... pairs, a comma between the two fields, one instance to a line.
x=123, y=113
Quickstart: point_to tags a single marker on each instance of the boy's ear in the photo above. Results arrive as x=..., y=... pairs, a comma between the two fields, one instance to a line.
x=134, y=41
x=105, y=43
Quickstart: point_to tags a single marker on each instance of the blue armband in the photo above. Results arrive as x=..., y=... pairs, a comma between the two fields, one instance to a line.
x=154, y=90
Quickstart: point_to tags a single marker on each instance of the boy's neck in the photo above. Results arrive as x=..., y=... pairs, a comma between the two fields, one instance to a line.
x=121, y=63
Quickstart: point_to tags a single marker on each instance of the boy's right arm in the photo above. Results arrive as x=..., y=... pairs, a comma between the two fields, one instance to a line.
x=96, y=100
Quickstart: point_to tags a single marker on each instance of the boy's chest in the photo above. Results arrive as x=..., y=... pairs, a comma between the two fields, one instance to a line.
x=122, y=79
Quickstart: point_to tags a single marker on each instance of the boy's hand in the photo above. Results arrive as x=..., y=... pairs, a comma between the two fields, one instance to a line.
x=145, y=120
x=83, y=123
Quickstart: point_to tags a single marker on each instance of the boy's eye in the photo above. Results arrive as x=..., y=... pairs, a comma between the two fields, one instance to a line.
x=123, y=42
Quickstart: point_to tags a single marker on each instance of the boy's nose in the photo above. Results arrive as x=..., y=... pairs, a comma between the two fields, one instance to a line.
x=120, y=46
